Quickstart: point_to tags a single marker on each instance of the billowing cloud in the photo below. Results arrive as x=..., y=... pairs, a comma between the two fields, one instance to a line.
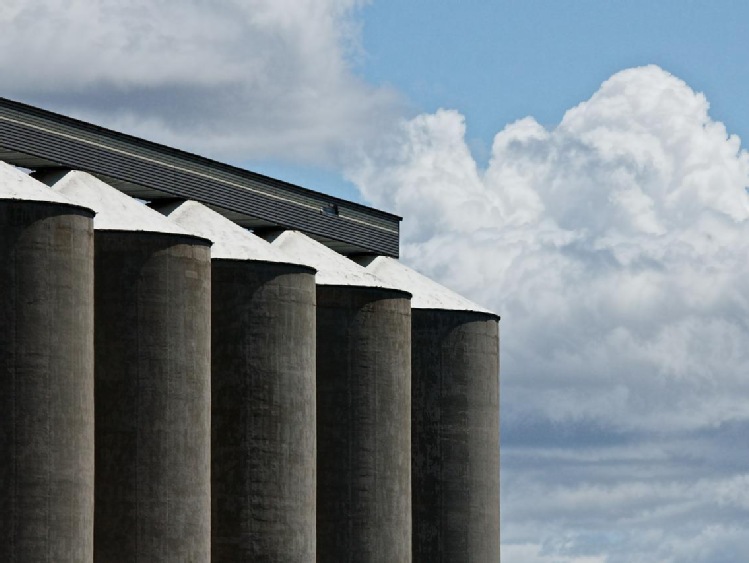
x=237, y=79
x=615, y=247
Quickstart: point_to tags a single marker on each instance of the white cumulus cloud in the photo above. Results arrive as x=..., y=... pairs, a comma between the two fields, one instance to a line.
x=615, y=246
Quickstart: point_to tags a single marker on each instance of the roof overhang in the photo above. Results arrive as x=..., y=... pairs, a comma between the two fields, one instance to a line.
x=38, y=139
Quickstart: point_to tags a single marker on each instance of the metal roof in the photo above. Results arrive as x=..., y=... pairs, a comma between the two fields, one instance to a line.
x=39, y=139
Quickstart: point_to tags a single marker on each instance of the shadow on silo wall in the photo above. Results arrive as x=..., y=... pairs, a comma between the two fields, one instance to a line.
x=46, y=382
x=455, y=434
x=152, y=349
x=263, y=412
x=363, y=425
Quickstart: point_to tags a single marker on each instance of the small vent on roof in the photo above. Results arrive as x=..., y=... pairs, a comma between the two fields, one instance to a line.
x=331, y=210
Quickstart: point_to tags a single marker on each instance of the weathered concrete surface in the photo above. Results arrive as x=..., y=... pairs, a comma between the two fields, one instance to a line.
x=263, y=414
x=363, y=425
x=152, y=349
x=455, y=433
x=46, y=383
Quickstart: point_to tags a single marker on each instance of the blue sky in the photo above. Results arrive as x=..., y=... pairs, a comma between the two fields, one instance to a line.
x=568, y=164
x=499, y=61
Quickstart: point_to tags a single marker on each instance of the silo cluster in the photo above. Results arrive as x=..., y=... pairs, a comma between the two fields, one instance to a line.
x=178, y=388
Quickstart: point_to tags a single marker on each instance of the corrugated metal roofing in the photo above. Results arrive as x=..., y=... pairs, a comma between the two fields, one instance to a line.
x=36, y=139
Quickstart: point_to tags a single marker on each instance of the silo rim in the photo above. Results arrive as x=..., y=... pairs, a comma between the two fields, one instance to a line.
x=295, y=265
x=487, y=314
x=196, y=238
x=402, y=293
x=76, y=206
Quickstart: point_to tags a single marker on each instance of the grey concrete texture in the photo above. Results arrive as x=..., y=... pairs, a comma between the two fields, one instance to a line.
x=263, y=412
x=152, y=374
x=46, y=383
x=363, y=425
x=455, y=437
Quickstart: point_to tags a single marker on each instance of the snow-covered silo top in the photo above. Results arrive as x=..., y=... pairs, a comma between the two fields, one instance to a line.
x=15, y=184
x=332, y=268
x=115, y=211
x=230, y=241
x=427, y=293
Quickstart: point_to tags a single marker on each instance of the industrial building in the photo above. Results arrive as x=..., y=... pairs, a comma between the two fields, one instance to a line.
x=200, y=363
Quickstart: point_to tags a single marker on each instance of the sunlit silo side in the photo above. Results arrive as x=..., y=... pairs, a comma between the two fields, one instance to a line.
x=263, y=394
x=152, y=379
x=455, y=420
x=46, y=374
x=363, y=409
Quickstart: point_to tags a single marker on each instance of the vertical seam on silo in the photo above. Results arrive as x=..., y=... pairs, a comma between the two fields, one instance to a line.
x=47, y=396
x=138, y=414
x=14, y=301
x=440, y=435
x=376, y=429
x=167, y=259
x=350, y=442
x=248, y=396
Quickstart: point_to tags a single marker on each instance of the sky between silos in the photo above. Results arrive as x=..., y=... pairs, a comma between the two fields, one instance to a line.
x=558, y=163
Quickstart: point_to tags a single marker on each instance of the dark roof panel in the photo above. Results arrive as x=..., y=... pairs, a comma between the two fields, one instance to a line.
x=34, y=138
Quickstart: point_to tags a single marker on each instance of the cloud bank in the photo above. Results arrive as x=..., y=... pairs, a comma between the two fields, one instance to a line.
x=235, y=79
x=615, y=246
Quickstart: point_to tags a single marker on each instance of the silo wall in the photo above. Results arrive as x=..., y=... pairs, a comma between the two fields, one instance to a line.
x=455, y=435
x=263, y=412
x=363, y=425
x=152, y=369
x=46, y=382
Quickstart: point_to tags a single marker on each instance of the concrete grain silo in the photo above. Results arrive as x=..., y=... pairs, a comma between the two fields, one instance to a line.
x=455, y=420
x=152, y=375
x=263, y=394
x=46, y=374
x=363, y=409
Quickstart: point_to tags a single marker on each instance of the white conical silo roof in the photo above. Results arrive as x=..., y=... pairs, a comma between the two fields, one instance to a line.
x=230, y=241
x=427, y=293
x=332, y=268
x=15, y=184
x=115, y=211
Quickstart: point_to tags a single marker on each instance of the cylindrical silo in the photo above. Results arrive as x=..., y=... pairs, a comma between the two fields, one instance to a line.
x=263, y=394
x=46, y=374
x=363, y=409
x=454, y=418
x=152, y=375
